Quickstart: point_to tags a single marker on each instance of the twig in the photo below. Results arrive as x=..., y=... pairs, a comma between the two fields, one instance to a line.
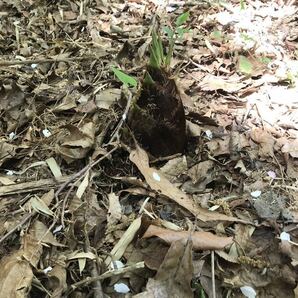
x=285, y=186
x=77, y=176
x=70, y=179
x=45, y=60
x=18, y=226
x=165, y=158
x=65, y=201
x=95, y=271
x=213, y=275
x=31, y=186
x=115, y=134
x=97, y=287
x=105, y=275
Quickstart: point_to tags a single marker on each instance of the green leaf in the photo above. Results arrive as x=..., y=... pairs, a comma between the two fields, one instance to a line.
x=245, y=65
x=124, y=78
x=181, y=31
x=169, y=55
x=182, y=19
x=169, y=32
x=156, y=51
x=216, y=34
x=153, y=61
x=148, y=79
x=242, y=4
x=265, y=60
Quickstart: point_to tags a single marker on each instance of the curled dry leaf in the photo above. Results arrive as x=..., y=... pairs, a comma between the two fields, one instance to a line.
x=115, y=210
x=78, y=143
x=7, y=151
x=291, y=147
x=174, y=275
x=211, y=83
x=57, y=281
x=16, y=270
x=265, y=140
x=200, y=171
x=107, y=97
x=164, y=187
x=201, y=240
x=15, y=276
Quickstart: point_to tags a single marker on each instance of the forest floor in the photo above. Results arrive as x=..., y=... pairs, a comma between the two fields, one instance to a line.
x=84, y=213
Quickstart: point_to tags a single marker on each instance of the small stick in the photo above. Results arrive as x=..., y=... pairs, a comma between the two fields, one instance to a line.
x=77, y=176
x=213, y=275
x=73, y=177
x=105, y=275
x=37, y=61
x=18, y=226
x=115, y=134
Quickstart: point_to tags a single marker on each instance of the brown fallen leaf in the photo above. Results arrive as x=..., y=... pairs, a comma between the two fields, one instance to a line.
x=115, y=211
x=78, y=143
x=200, y=171
x=15, y=276
x=291, y=147
x=201, y=240
x=157, y=181
x=16, y=270
x=211, y=83
x=7, y=151
x=265, y=140
x=57, y=281
x=174, y=274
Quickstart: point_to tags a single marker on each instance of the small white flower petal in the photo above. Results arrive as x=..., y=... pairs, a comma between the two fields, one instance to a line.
x=46, y=133
x=156, y=176
x=248, y=292
x=47, y=270
x=256, y=193
x=117, y=264
x=12, y=135
x=121, y=288
x=284, y=236
x=271, y=174
x=209, y=134
x=57, y=229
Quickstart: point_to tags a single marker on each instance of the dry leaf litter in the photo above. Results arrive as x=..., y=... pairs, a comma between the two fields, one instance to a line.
x=83, y=214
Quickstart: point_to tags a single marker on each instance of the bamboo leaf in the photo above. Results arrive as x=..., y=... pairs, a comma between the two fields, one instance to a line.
x=245, y=65
x=169, y=32
x=182, y=19
x=148, y=79
x=156, y=47
x=154, y=62
x=124, y=78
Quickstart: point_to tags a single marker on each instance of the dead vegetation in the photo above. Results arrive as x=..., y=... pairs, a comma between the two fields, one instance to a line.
x=97, y=202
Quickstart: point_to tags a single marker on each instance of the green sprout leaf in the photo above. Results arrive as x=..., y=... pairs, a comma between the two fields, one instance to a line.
x=245, y=65
x=265, y=60
x=169, y=32
x=124, y=78
x=148, y=79
x=182, y=19
x=216, y=34
x=181, y=31
x=156, y=51
x=242, y=4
